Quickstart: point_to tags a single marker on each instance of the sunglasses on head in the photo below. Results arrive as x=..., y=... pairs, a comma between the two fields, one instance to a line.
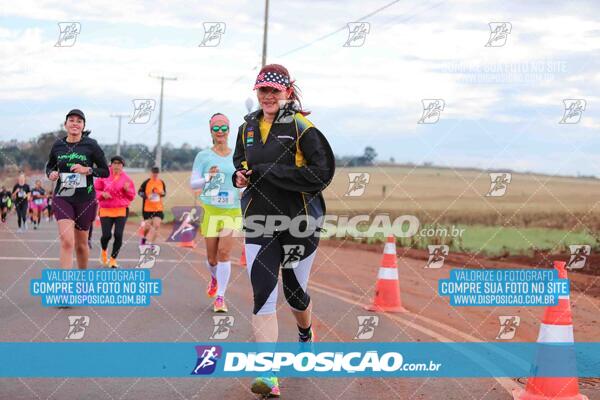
x=222, y=128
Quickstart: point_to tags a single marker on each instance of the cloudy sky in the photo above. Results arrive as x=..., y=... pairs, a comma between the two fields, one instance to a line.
x=502, y=103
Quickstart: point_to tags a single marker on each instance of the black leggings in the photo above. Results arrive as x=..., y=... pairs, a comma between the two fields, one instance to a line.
x=107, y=224
x=265, y=256
x=21, y=212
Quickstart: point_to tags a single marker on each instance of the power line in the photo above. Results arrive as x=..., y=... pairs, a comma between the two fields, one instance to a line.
x=209, y=100
x=374, y=12
x=338, y=30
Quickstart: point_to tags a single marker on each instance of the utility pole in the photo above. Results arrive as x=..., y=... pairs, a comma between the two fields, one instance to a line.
x=120, y=116
x=158, y=159
x=264, y=49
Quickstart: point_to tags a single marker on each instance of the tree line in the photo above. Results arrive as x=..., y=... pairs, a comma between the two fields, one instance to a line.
x=32, y=155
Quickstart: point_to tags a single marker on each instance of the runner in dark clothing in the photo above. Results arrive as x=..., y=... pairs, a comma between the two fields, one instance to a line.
x=73, y=163
x=285, y=163
x=5, y=200
x=20, y=194
x=49, y=206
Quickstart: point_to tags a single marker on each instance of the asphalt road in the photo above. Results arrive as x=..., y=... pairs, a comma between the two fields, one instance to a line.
x=342, y=282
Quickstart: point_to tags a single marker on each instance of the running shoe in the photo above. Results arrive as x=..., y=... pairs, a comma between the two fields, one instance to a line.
x=311, y=337
x=211, y=291
x=104, y=257
x=307, y=344
x=113, y=263
x=266, y=386
x=219, y=305
x=19, y=230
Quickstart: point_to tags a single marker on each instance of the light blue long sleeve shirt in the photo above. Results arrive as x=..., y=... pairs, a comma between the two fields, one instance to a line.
x=217, y=191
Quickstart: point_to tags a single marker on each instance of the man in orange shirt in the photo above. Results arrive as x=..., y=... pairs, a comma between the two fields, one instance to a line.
x=152, y=192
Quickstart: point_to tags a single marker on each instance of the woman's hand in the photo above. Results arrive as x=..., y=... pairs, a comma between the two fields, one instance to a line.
x=126, y=186
x=80, y=169
x=241, y=177
x=106, y=195
x=53, y=175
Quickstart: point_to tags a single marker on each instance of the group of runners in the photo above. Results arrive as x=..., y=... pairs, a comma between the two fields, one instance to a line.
x=279, y=166
x=31, y=204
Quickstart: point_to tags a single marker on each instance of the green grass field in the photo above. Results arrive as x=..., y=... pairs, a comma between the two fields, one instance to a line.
x=491, y=240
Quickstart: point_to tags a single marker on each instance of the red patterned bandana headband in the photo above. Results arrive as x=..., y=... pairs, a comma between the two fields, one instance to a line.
x=272, y=79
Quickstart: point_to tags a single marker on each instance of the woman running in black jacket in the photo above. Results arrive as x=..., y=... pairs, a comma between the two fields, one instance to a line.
x=72, y=163
x=285, y=163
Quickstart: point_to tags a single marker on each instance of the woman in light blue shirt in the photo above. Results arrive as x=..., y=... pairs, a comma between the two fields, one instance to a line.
x=211, y=177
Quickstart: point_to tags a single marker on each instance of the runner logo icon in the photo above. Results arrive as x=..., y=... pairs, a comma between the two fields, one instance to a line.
x=148, y=255
x=212, y=34
x=508, y=327
x=579, y=254
x=432, y=109
x=358, y=183
x=68, y=34
x=499, y=32
x=574, y=109
x=366, y=326
x=499, y=184
x=223, y=325
x=77, y=325
x=207, y=359
x=437, y=255
x=357, y=33
x=292, y=254
x=142, y=110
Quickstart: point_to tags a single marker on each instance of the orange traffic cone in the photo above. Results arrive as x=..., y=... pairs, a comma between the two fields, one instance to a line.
x=191, y=244
x=140, y=231
x=387, y=289
x=556, y=327
x=243, y=257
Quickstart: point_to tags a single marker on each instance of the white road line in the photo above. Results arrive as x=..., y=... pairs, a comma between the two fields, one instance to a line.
x=505, y=383
x=30, y=240
x=172, y=260
x=27, y=240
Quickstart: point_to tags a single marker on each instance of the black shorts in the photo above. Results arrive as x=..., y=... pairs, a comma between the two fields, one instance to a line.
x=152, y=214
